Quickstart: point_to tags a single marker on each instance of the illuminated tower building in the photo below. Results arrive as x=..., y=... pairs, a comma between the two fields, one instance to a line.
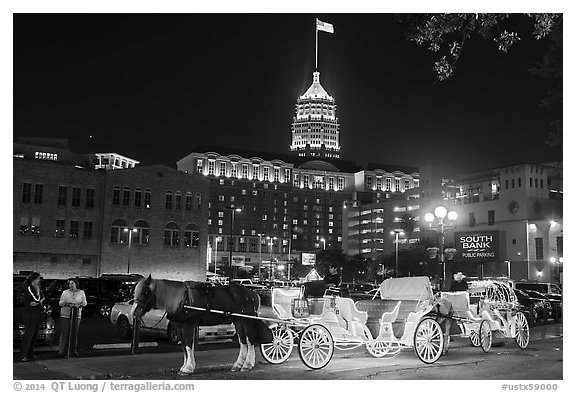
x=315, y=130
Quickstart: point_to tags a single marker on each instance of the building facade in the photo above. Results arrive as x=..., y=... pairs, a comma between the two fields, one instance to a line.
x=315, y=129
x=72, y=221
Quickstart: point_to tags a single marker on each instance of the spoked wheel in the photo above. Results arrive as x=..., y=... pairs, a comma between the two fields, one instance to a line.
x=475, y=338
x=522, y=331
x=280, y=349
x=428, y=341
x=316, y=346
x=485, y=336
x=379, y=349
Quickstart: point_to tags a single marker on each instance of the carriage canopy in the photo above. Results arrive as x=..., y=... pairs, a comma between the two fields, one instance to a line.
x=406, y=288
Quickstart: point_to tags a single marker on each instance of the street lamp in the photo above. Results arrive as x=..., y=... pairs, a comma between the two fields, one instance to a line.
x=130, y=231
x=324, y=243
x=396, y=233
x=271, y=244
x=231, y=242
x=440, y=213
x=260, y=254
x=216, y=253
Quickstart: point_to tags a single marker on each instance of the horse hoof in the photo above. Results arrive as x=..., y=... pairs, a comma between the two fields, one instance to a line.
x=235, y=368
x=243, y=369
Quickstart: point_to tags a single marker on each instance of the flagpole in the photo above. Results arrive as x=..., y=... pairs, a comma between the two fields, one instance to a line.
x=316, y=44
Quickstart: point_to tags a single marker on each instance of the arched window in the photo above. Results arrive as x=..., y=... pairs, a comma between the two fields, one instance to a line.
x=191, y=236
x=198, y=200
x=168, y=199
x=147, y=197
x=126, y=196
x=172, y=235
x=188, y=201
x=178, y=200
x=117, y=233
x=138, y=197
x=116, y=195
x=142, y=234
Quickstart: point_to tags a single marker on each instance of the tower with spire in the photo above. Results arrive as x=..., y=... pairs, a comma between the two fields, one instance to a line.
x=315, y=130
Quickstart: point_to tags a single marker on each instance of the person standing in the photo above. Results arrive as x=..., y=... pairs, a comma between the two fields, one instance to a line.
x=458, y=284
x=332, y=279
x=73, y=297
x=33, y=308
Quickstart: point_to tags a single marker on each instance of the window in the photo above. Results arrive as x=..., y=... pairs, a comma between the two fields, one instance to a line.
x=191, y=236
x=90, y=192
x=296, y=180
x=368, y=182
x=171, y=235
x=117, y=233
x=86, y=261
x=340, y=183
x=198, y=197
x=126, y=196
x=539, y=242
x=38, y=191
x=26, y=192
x=220, y=198
x=490, y=217
x=305, y=181
x=388, y=184
x=530, y=182
x=188, y=202
x=45, y=156
x=255, y=172
x=330, y=183
x=244, y=171
x=406, y=184
x=397, y=185
x=471, y=219
x=62, y=191
x=276, y=174
x=286, y=175
x=178, y=201
x=220, y=214
x=87, y=233
x=147, y=197
x=233, y=171
x=519, y=182
x=199, y=166
x=24, y=225
x=222, y=169
x=506, y=184
x=115, y=196
x=60, y=230
x=541, y=184
x=74, y=228
x=168, y=199
x=211, y=168
x=513, y=183
x=266, y=173
x=141, y=235
x=138, y=197
x=416, y=183
x=76, y=192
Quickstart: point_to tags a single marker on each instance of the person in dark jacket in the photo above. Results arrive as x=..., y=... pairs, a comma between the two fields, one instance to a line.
x=33, y=308
x=332, y=279
x=459, y=284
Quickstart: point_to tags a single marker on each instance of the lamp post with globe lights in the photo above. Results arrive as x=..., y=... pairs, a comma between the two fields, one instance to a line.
x=436, y=222
x=231, y=242
x=397, y=233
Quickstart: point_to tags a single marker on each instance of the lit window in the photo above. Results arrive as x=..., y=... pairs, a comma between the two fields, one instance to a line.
x=191, y=236
x=147, y=198
x=117, y=233
x=60, y=229
x=222, y=169
x=74, y=228
x=172, y=235
x=141, y=235
x=199, y=166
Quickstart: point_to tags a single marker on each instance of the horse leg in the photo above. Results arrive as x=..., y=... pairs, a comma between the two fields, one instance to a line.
x=250, y=358
x=243, y=347
x=180, y=328
x=188, y=332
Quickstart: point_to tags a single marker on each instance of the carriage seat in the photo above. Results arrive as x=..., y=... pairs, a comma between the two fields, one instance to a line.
x=353, y=319
x=384, y=310
x=461, y=304
x=282, y=301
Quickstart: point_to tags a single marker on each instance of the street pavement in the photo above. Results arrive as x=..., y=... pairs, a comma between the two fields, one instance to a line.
x=542, y=359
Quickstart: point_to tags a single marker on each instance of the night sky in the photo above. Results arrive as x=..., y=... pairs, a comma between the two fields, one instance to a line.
x=152, y=87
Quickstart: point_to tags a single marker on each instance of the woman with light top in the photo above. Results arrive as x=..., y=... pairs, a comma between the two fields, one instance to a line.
x=73, y=297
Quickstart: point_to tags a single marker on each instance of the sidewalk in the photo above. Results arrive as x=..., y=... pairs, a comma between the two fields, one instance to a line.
x=137, y=366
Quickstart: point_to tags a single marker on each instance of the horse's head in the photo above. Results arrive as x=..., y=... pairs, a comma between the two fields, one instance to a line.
x=144, y=297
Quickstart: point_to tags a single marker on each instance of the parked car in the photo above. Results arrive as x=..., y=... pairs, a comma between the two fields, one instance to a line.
x=534, y=309
x=45, y=333
x=242, y=281
x=555, y=309
x=155, y=323
x=101, y=293
x=544, y=288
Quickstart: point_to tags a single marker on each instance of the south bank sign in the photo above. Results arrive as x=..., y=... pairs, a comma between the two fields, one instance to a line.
x=477, y=246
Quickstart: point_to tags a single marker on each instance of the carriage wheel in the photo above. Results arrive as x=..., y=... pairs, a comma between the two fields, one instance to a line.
x=475, y=338
x=316, y=346
x=485, y=336
x=280, y=349
x=522, y=331
x=379, y=349
x=428, y=340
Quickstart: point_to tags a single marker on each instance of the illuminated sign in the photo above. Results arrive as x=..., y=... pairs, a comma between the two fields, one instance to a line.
x=481, y=246
x=238, y=260
x=308, y=259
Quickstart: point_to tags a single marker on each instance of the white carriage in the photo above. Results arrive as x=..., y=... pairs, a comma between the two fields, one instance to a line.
x=403, y=320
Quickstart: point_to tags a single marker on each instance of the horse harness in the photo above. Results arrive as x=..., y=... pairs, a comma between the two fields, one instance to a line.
x=195, y=290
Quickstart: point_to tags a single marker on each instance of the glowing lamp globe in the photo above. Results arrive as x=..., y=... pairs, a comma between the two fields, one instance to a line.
x=429, y=217
x=440, y=212
x=452, y=215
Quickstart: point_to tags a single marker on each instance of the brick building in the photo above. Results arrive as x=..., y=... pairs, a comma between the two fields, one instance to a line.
x=72, y=221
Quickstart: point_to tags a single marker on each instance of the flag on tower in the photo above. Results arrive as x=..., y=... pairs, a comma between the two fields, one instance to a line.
x=323, y=26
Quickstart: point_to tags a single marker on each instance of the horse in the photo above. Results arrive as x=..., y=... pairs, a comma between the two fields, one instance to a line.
x=172, y=296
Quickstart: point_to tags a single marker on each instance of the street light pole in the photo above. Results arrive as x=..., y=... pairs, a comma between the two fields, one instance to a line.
x=323, y=243
x=129, y=230
x=440, y=213
x=260, y=255
x=271, y=244
x=231, y=242
x=216, y=253
x=396, y=233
